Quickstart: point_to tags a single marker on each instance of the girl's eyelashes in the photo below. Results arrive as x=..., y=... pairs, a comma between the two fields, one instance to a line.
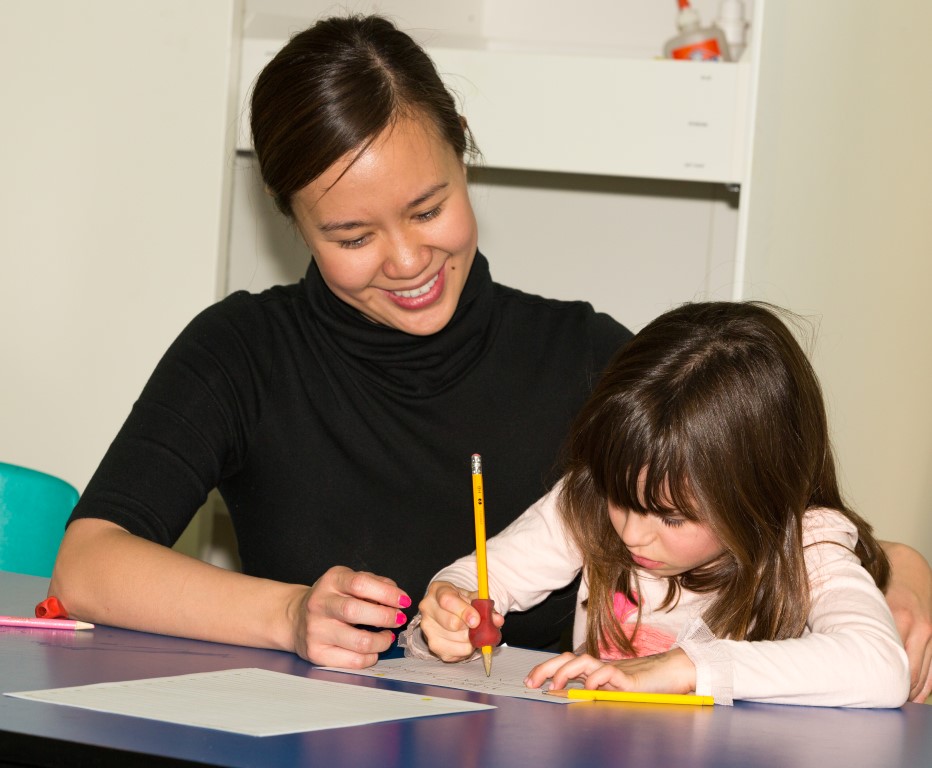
x=672, y=522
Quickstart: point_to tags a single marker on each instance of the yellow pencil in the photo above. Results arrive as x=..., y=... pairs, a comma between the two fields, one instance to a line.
x=634, y=697
x=481, y=564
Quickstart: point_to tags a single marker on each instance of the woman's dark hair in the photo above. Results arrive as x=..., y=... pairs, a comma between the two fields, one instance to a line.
x=719, y=405
x=333, y=89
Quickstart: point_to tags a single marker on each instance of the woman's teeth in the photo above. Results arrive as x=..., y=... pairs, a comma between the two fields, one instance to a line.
x=418, y=291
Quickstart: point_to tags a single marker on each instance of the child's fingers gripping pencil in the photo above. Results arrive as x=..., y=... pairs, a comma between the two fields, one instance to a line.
x=485, y=635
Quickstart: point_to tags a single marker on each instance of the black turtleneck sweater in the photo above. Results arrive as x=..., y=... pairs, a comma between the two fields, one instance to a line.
x=335, y=441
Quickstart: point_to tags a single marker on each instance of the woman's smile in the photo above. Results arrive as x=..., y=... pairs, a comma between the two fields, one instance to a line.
x=422, y=296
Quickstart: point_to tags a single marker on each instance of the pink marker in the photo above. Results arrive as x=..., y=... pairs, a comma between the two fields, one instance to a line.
x=28, y=623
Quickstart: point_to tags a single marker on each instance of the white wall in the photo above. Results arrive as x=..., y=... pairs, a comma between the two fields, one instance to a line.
x=114, y=145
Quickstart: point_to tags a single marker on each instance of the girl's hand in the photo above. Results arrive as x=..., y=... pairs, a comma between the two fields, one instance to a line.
x=446, y=618
x=325, y=616
x=669, y=672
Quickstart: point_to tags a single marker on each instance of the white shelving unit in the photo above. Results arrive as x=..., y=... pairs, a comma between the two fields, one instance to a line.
x=629, y=170
x=604, y=115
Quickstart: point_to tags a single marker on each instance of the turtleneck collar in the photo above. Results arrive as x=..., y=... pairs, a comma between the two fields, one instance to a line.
x=411, y=365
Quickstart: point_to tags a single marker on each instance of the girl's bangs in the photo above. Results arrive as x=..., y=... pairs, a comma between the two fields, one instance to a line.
x=640, y=467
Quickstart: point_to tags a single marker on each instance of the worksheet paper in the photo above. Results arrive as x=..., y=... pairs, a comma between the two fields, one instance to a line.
x=509, y=668
x=253, y=702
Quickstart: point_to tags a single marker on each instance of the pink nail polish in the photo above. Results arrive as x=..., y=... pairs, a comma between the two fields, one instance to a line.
x=400, y=618
x=404, y=601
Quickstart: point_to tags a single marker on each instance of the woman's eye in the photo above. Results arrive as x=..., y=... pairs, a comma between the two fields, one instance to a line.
x=357, y=243
x=428, y=215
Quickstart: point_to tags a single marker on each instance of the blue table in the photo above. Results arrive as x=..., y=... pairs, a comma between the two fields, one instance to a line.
x=517, y=733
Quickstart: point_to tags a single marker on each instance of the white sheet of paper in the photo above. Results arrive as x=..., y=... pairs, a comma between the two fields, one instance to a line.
x=253, y=702
x=509, y=668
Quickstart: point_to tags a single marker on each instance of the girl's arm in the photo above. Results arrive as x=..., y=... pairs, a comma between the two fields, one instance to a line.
x=852, y=655
x=909, y=595
x=527, y=561
x=106, y=575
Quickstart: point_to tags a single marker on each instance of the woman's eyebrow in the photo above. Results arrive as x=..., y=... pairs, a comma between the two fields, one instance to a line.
x=431, y=191
x=337, y=226
x=340, y=226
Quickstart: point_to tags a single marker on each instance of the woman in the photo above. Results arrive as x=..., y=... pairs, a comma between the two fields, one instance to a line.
x=337, y=416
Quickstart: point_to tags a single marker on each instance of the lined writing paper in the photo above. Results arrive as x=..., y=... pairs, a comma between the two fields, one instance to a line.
x=509, y=668
x=254, y=702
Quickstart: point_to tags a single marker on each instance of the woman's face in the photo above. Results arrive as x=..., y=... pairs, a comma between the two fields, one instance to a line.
x=392, y=230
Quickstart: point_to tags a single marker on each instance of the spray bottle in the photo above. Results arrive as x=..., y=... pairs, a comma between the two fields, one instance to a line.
x=733, y=24
x=695, y=42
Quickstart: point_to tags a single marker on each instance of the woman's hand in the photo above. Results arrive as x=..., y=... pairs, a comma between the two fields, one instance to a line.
x=325, y=618
x=446, y=618
x=909, y=595
x=669, y=672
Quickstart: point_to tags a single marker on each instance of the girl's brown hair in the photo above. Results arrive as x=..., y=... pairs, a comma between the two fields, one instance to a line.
x=721, y=407
x=333, y=89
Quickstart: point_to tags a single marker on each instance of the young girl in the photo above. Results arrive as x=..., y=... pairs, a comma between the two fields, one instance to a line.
x=701, y=503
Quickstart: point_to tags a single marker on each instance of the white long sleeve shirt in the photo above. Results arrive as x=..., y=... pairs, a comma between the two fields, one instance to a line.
x=850, y=653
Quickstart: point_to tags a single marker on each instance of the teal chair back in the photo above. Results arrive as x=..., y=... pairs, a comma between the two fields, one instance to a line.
x=33, y=509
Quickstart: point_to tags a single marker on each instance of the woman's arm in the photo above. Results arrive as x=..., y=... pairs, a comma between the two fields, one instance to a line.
x=106, y=575
x=909, y=595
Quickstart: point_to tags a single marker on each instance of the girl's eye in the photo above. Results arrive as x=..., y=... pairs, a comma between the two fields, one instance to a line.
x=428, y=215
x=672, y=522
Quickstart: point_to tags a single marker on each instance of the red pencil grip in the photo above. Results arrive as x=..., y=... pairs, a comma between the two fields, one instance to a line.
x=486, y=633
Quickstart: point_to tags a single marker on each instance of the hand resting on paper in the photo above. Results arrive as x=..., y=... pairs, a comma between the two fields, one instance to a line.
x=447, y=615
x=669, y=672
x=325, y=619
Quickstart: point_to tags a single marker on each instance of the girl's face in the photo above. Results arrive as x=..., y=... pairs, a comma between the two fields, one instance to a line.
x=665, y=545
x=392, y=230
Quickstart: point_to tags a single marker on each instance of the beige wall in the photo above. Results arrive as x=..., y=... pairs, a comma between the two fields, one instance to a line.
x=840, y=229
x=113, y=150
